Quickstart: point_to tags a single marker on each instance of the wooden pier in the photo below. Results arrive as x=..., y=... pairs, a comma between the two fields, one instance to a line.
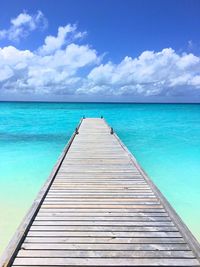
x=99, y=208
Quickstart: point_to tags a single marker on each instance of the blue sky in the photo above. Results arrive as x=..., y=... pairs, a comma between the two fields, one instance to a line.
x=105, y=50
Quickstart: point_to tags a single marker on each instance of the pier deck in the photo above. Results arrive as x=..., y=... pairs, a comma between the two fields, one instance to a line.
x=99, y=208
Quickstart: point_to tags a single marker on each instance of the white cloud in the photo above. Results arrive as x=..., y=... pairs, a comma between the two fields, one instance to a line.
x=53, y=72
x=65, y=35
x=22, y=25
x=5, y=73
x=64, y=66
x=195, y=81
x=22, y=19
x=152, y=73
x=12, y=56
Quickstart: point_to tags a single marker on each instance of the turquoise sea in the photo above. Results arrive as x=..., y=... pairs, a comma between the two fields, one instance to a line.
x=165, y=138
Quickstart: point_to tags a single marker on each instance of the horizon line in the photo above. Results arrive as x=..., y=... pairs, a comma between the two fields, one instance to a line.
x=93, y=102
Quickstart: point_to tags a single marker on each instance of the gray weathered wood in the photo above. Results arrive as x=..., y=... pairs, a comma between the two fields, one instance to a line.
x=104, y=262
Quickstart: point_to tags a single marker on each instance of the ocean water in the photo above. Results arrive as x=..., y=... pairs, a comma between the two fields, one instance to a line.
x=164, y=138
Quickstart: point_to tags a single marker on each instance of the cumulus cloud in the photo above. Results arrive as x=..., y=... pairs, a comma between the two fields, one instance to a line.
x=61, y=65
x=22, y=25
x=152, y=73
x=52, y=70
x=65, y=34
x=5, y=73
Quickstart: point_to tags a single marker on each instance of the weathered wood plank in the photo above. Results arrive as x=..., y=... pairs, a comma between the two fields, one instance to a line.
x=96, y=203
x=99, y=206
x=104, y=246
x=101, y=223
x=111, y=234
x=106, y=214
x=104, y=254
x=125, y=229
x=96, y=182
x=105, y=240
x=99, y=219
x=101, y=197
x=62, y=189
x=104, y=201
x=104, y=262
x=92, y=210
x=99, y=187
x=97, y=194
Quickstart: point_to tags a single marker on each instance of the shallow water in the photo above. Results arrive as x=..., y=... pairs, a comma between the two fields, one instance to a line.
x=164, y=138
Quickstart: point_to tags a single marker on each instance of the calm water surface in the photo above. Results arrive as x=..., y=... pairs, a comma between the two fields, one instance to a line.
x=164, y=138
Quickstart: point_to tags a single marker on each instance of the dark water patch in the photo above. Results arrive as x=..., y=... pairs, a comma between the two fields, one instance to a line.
x=13, y=137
